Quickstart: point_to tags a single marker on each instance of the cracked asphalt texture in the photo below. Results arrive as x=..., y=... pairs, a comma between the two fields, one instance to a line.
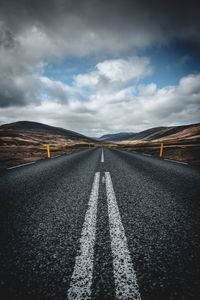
x=42, y=212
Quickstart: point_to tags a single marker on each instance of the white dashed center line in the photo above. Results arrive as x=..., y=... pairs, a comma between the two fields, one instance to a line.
x=126, y=286
x=81, y=281
x=102, y=156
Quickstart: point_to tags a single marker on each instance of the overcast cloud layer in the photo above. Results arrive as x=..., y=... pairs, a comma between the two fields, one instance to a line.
x=110, y=96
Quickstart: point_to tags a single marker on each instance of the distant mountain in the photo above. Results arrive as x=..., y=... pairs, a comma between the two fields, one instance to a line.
x=157, y=133
x=164, y=132
x=148, y=134
x=116, y=136
x=25, y=132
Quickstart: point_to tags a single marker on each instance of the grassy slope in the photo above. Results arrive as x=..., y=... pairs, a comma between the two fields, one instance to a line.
x=182, y=145
x=22, y=142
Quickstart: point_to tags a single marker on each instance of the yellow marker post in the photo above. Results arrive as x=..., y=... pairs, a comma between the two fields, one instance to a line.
x=161, y=149
x=48, y=151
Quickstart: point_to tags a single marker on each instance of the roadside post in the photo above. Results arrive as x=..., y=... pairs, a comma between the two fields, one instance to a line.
x=161, y=150
x=48, y=151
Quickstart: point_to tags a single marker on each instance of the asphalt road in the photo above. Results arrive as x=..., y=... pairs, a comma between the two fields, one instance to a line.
x=100, y=225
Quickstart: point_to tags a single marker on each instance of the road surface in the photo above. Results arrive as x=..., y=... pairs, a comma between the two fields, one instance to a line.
x=100, y=224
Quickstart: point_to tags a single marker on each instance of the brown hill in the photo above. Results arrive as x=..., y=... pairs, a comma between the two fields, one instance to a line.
x=170, y=133
x=181, y=143
x=176, y=133
x=24, y=141
x=27, y=133
x=189, y=133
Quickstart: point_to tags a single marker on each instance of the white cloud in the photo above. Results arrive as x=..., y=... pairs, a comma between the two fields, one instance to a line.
x=190, y=85
x=115, y=73
x=133, y=68
x=147, y=90
x=114, y=110
x=55, y=90
x=87, y=80
x=36, y=44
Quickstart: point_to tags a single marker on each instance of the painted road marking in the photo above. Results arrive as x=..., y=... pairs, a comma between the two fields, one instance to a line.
x=81, y=281
x=146, y=154
x=125, y=277
x=176, y=161
x=102, y=156
x=22, y=165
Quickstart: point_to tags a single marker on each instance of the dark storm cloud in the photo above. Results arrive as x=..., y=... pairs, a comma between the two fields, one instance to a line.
x=6, y=38
x=32, y=32
x=159, y=19
x=7, y=99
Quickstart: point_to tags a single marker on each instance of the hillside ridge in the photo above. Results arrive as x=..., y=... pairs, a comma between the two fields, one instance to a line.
x=156, y=133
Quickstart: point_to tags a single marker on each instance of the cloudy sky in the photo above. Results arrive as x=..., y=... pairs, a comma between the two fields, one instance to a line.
x=99, y=66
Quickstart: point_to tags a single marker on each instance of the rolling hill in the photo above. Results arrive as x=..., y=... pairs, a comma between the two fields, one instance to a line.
x=24, y=141
x=185, y=132
x=117, y=136
x=25, y=132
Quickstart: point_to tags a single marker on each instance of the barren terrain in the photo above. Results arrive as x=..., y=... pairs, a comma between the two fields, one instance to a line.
x=23, y=142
